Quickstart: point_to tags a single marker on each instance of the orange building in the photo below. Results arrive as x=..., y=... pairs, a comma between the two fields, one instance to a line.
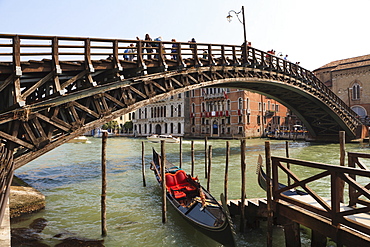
x=234, y=113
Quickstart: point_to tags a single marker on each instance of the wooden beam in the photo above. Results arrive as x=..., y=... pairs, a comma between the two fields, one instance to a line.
x=37, y=85
x=16, y=140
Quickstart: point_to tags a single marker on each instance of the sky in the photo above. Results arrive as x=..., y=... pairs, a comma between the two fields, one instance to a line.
x=313, y=32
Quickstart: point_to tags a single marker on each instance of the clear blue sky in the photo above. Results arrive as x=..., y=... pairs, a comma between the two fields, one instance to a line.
x=312, y=32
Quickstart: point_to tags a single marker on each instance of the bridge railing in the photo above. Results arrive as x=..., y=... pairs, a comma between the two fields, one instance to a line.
x=18, y=49
x=329, y=174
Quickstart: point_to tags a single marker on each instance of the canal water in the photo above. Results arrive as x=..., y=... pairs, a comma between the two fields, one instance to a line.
x=70, y=178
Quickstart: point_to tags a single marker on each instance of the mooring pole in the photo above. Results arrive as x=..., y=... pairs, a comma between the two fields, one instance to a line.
x=163, y=182
x=143, y=163
x=243, y=168
x=192, y=158
x=209, y=167
x=226, y=168
x=104, y=184
x=269, y=194
x=287, y=155
x=180, y=151
x=342, y=141
x=205, y=157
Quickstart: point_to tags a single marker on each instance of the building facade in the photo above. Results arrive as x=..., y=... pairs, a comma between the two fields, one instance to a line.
x=166, y=116
x=349, y=79
x=234, y=113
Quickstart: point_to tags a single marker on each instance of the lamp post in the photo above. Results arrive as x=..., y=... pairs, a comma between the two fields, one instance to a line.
x=229, y=17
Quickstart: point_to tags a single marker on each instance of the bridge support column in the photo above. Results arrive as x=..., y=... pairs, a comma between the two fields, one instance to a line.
x=317, y=239
x=291, y=232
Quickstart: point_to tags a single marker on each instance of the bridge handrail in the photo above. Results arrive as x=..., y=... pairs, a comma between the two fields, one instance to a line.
x=58, y=48
x=336, y=175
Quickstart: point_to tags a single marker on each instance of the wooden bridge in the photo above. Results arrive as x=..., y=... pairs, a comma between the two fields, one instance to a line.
x=55, y=88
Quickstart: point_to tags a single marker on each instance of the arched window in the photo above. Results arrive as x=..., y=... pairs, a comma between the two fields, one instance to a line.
x=359, y=110
x=355, y=91
x=240, y=103
x=179, y=111
x=193, y=108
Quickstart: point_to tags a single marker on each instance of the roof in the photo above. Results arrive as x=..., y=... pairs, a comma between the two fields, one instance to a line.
x=347, y=63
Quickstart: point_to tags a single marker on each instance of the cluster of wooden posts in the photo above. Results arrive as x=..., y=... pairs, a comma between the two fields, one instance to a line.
x=207, y=172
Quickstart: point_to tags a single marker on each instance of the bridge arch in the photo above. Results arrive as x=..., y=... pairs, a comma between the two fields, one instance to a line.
x=50, y=101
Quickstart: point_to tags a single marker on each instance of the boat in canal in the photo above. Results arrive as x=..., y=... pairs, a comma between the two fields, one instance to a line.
x=195, y=204
x=166, y=138
x=262, y=181
x=79, y=139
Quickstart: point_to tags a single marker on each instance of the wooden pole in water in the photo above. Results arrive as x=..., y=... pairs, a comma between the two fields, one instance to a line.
x=287, y=155
x=192, y=158
x=205, y=157
x=226, y=168
x=209, y=167
x=180, y=151
x=243, y=168
x=163, y=182
x=269, y=194
x=143, y=163
x=104, y=185
x=342, y=141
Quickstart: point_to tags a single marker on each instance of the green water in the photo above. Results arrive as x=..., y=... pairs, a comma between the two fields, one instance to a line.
x=70, y=178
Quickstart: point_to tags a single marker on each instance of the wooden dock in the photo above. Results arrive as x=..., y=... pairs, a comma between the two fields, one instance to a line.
x=295, y=204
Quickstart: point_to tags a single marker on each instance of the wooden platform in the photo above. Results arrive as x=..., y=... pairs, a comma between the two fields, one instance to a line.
x=362, y=218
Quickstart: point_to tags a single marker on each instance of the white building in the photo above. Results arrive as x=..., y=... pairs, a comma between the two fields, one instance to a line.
x=163, y=117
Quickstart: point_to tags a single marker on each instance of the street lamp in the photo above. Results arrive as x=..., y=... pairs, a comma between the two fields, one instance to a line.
x=229, y=17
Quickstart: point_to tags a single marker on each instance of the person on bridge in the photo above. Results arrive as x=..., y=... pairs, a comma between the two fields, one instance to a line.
x=130, y=50
x=174, y=49
x=157, y=45
x=148, y=44
x=192, y=43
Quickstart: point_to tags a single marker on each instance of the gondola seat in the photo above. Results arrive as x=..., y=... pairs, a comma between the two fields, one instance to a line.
x=182, y=181
x=173, y=188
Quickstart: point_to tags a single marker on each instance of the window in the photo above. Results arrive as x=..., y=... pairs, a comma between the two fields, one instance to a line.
x=179, y=128
x=171, y=110
x=259, y=120
x=179, y=111
x=240, y=103
x=356, y=91
x=193, y=108
x=228, y=106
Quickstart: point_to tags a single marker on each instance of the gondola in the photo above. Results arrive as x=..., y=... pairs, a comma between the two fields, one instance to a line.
x=194, y=203
x=263, y=183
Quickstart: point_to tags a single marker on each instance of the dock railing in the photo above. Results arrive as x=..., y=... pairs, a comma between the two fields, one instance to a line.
x=354, y=193
x=331, y=209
